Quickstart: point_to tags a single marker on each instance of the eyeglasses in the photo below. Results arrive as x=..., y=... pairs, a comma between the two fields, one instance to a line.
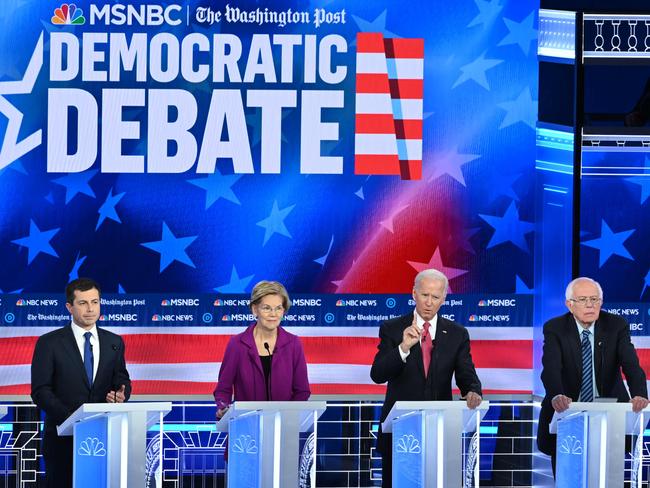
x=267, y=309
x=583, y=301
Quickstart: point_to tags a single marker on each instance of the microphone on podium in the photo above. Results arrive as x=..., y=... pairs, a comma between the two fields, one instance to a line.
x=268, y=387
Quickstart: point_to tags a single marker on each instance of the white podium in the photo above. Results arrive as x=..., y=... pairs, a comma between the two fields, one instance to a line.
x=110, y=442
x=264, y=443
x=427, y=442
x=591, y=444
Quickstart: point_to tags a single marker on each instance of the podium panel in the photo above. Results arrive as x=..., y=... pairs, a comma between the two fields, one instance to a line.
x=264, y=443
x=591, y=444
x=427, y=443
x=110, y=442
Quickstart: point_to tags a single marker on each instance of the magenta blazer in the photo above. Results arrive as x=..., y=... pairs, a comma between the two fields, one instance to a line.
x=241, y=370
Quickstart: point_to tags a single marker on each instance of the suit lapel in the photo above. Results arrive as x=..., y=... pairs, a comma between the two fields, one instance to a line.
x=574, y=344
x=70, y=346
x=254, y=356
x=104, y=354
x=442, y=333
x=599, y=340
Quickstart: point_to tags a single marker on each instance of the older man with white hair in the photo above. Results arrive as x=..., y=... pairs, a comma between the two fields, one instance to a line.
x=584, y=352
x=419, y=353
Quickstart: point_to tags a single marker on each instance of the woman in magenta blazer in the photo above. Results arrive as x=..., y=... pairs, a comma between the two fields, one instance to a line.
x=265, y=362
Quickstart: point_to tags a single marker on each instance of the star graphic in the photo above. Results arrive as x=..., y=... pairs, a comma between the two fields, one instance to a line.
x=74, y=272
x=323, y=259
x=449, y=163
x=236, y=285
x=11, y=148
x=522, y=33
x=217, y=186
x=500, y=184
x=120, y=289
x=436, y=263
x=462, y=241
x=508, y=228
x=388, y=223
x=171, y=248
x=646, y=284
x=377, y=25
x=77, y=183
x=359, y=193
x=488, y=12
x=523, y=109
x=476, y=71
x=274, y=223
x=37, y=241
x=521, y=287
x=643, y=181
x=610, y=243
x=107, y=210
x=16, y=166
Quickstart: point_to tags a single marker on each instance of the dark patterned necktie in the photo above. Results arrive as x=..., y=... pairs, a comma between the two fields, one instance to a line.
x=88, y=358
x=587, y=388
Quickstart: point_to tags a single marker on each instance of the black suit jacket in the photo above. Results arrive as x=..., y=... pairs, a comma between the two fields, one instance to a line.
x=59, y=382
x=562, y=366
x=406, y=380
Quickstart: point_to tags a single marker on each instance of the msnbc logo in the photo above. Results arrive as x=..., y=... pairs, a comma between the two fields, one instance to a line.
x=68, y=14
x=473, y=318
x=155, y=318
x=102, y=318
x=340, y=303
x=482, y=303
x=225, y=318
x=165, y=303
x=217, y=302
x=20, y=302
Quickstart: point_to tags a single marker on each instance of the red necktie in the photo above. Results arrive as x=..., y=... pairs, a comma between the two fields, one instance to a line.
x=427, y=347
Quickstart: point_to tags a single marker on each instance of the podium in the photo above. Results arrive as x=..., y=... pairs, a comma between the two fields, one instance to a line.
x=110, y=442
x=591, y=444
x=264, y=443
x=427, y=443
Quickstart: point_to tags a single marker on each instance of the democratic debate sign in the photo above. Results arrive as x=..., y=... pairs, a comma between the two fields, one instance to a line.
x=129, y=89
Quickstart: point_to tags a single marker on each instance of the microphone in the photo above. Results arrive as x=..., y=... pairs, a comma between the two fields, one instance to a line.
x=602, y=366
x=268, y=387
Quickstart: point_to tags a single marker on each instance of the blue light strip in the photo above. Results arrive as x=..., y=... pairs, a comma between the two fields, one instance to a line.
x=184, y=428
x=488, y=429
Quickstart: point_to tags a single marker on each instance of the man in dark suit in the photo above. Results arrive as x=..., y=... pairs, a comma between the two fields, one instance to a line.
x=419, y=353
x=584, y=351
x=76, y=364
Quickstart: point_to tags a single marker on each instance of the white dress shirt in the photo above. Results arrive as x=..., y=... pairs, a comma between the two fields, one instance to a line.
x=419, y=322
x=79, y=332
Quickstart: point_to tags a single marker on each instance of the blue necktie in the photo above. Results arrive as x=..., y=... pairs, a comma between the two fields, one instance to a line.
x=587, y=388
x=88, y=358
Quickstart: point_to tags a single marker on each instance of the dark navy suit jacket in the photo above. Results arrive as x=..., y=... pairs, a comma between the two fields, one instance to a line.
x=562, y=366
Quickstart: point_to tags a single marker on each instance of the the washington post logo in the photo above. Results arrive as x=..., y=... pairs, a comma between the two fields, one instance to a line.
x=389, y=106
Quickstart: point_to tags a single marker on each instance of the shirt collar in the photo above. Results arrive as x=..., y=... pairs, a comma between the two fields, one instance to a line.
x=591, y=327
x=79, y=331
x=420, y=321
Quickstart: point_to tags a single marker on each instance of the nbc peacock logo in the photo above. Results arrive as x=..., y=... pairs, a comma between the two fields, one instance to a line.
x=473, y=318
x=68, y=14
x=482, y=303
x=20, y=302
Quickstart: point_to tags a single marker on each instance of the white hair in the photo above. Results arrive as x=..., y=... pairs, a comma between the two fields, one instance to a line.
x=569, y=289
x=431, y=274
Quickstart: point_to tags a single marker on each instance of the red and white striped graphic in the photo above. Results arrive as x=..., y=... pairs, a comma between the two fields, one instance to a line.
x=186, y=360
x=389, y=106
